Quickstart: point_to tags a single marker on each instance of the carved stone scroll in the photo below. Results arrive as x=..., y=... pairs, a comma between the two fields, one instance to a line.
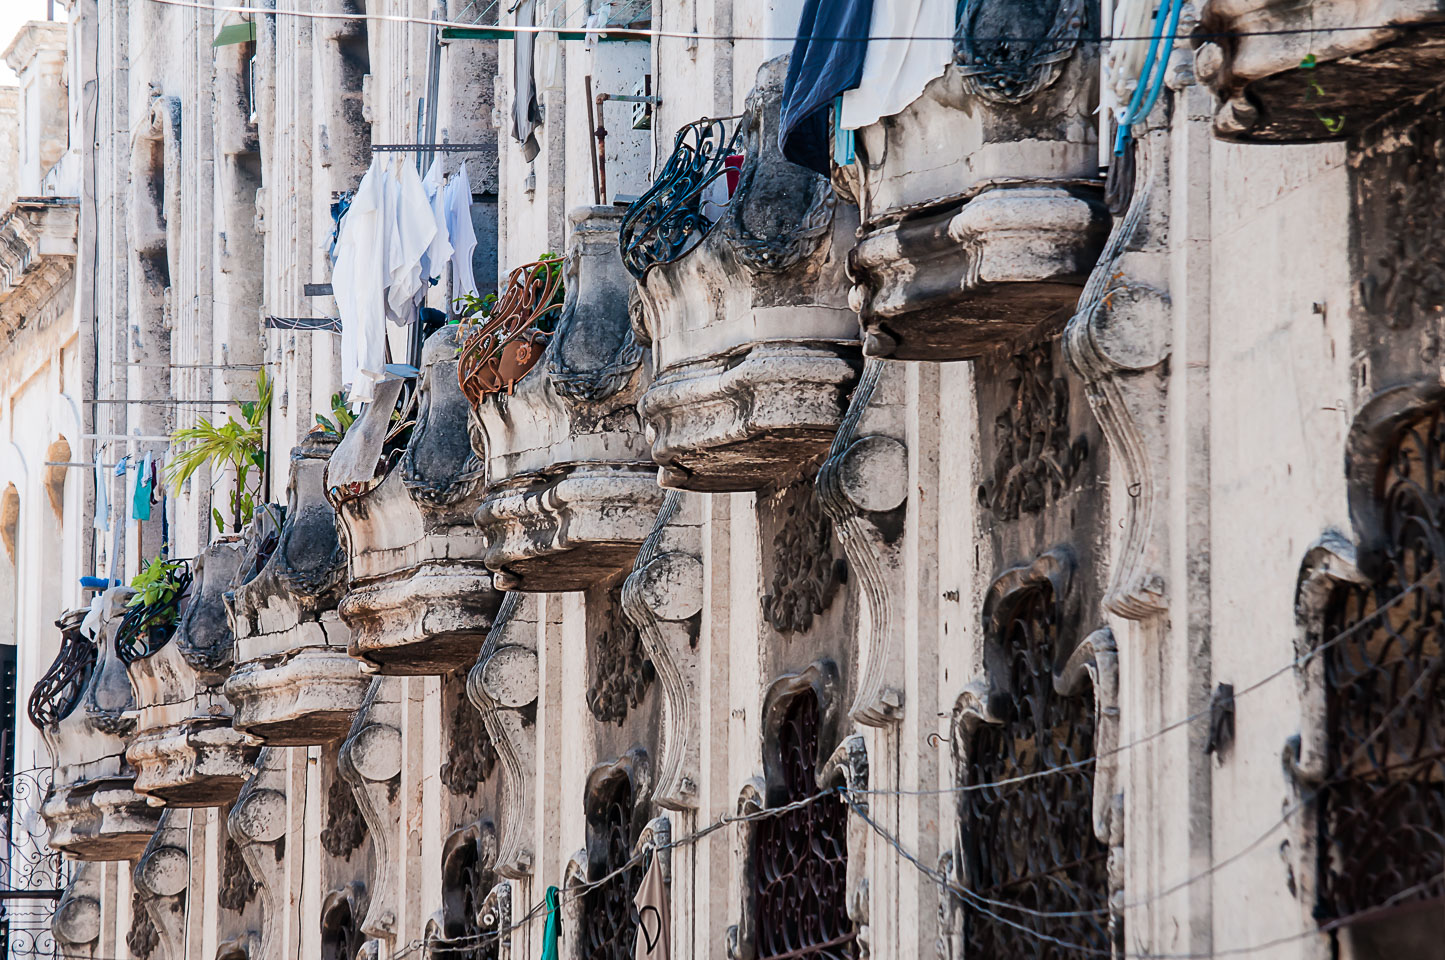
x=504, y=685
x=1119, y=342
x=370, y=762
x=863, y=487
x=663, y=597
x=162, y=879
x=259, y=824
x=848, y=768
x=76, y=921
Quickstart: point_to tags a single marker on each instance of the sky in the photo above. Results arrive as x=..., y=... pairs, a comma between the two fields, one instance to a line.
x=13, y=14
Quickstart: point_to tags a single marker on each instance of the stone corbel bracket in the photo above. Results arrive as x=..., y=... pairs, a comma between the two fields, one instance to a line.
x=741, y=937
x=570, y=483
x=663, y=598
x=370, y=762
x=37, y=256
x=504, y=685
x=1119, y=342
x=420, y=598
x=294, y=684
x=76, y=921
x=574, y=882
x=185, y=751
x=863, y=487
x=848, y=768
x=655, y=839
x=163, y=877
x=754, y=345
x=495, y=916
x=259, y=824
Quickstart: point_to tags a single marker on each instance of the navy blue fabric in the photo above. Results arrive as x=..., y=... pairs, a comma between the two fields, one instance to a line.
x=818, y=72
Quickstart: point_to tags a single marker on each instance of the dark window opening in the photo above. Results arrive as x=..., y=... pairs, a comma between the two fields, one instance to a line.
x=607, y=908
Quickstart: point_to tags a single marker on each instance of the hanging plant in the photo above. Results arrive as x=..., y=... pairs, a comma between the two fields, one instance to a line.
x=237, y=444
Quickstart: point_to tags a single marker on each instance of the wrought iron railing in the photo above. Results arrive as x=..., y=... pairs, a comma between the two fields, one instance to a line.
x=32, y=874
x=679, y=209
x=58, y=693
x=502, y=347
x=148, y=627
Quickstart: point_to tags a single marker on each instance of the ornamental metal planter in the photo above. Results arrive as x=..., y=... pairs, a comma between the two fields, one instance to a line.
x=185, y=750
x=982, y=211
x=1289, y=72
x=419, y=598
x=742, y=300
x=83, y=708
x=570, y=488
x=500, y=348
x=294, y=684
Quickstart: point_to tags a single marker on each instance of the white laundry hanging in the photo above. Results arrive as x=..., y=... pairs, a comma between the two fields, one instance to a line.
x=896, y=71
x=440, y=251
x=414, y=231
x=102, y=496
x=463, y=235
x=359, y=283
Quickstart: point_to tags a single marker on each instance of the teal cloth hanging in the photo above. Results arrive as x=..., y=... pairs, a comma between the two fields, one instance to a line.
x=144, y=482
x=552, y=932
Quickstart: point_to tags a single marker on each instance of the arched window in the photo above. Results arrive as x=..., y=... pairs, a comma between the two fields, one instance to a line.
x=800, y=858
x=1031, y=843
x=609, y=930
x=341, y=936
x=1382, y=803
x=55, y=476
x=467, y=879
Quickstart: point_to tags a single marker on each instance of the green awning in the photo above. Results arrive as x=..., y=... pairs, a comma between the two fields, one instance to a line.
x=235, y=33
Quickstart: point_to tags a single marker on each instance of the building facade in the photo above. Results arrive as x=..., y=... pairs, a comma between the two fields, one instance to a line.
x=984, y=505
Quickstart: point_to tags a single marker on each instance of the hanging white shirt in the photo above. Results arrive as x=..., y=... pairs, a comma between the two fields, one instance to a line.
x=102, y=495
x=896, y=71
x=413, y=234
x=440, y=250
x=463, y=235
x=358, y=283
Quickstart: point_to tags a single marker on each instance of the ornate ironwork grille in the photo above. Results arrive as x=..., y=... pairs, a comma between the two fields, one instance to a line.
x=1032, y=843
x=466, y=881
x=58, y=693
x=146, y=628
x=607, y=909
x=509, y=341
x=677, y=211
x=800, y=858
x=1382, y=807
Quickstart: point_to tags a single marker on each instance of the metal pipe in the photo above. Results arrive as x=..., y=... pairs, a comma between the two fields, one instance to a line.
x=592, y=123
x=601, y=135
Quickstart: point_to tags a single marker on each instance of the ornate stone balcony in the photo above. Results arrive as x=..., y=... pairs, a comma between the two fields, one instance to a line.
x=420, y=599
x=754, y=346
x=185, y=751
x=1315, y=70
x=981, y=212
x=82, y=707
x=571, y=491
x=294, y=683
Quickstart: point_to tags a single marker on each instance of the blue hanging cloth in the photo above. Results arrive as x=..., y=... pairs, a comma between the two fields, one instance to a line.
x=818, y=72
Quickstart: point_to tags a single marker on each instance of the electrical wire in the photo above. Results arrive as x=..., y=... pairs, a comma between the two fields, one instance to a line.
x=654, y=33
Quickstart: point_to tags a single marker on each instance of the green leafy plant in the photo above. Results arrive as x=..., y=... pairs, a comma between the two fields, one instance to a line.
x=1334, y=124
x=237, y=444
x=159, y=584
x=343, y=417
x=470, y=305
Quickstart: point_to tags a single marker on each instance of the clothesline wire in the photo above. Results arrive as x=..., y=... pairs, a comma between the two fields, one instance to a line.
x=654, y=33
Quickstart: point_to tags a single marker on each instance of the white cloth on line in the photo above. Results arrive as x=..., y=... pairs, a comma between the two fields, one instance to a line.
x=440, y=250
x=896, y=71
x=358, y=282
x=463, y=235
x=409, y=242
x=102, y=496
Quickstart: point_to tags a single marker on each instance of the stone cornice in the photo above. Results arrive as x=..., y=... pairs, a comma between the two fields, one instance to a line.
x=36, y=36
x=37, y=255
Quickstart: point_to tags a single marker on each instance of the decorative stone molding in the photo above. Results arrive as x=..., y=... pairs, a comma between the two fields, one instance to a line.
x=663, y=597
x=574, y=882
x=259, y=824
x=1364, y=62
x=341, y=934
x=847, y=767
x=76, y=921
x=474, y=904
x=504, y=685
x=420, y=598
x=294, y=684
x=370, y=761
x=496, y=917
x=739, y=940
x=981, y=213
x=92, y=809
x=470, y=755
x=655, y=839
x=1119, y=343
x=619, y=672
x=804, y=575
x=185, y=751
x=37, y=256
x=570, y=486
x=1036, y=459
x=863, y=487
x=753, y=344
x=162, y=878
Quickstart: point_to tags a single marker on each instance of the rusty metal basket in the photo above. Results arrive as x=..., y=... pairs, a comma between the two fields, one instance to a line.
x=502, y=347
